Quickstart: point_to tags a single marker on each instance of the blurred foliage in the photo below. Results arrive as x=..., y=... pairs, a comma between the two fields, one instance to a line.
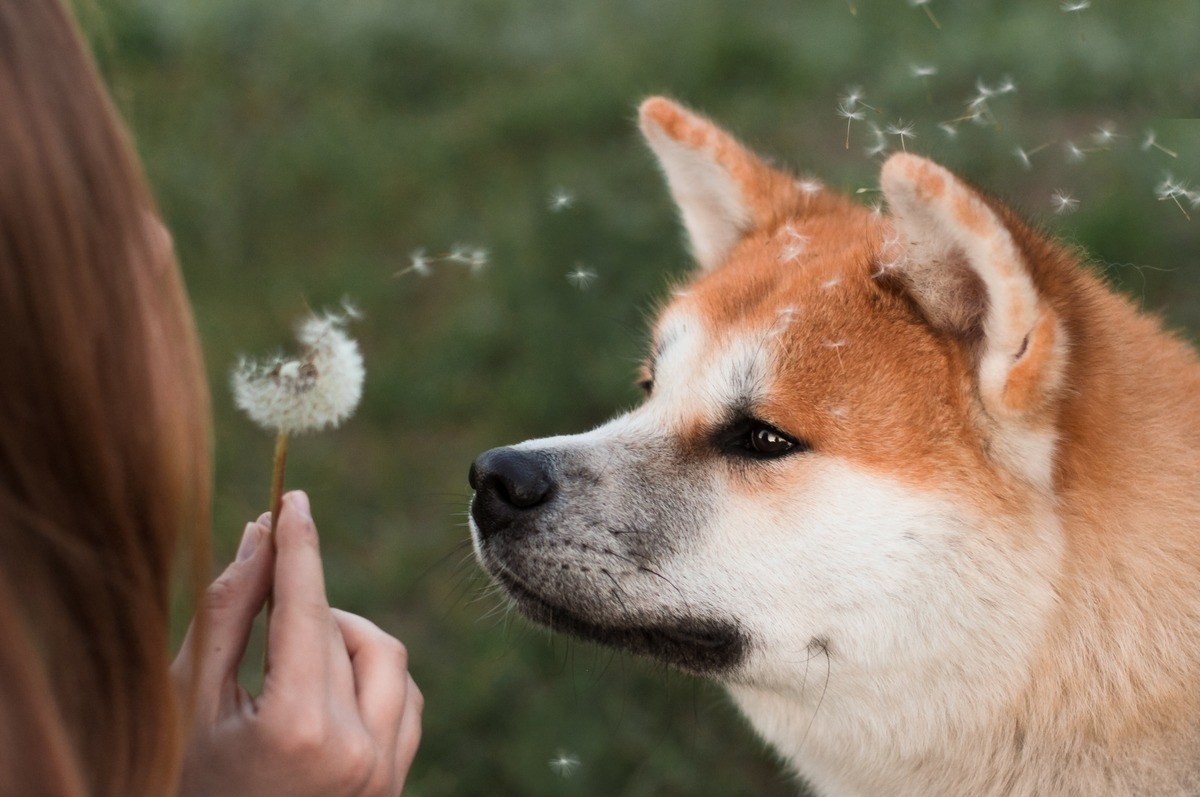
x=301, y=150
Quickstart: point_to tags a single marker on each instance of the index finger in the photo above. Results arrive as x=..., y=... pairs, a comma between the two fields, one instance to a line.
x=301, y=621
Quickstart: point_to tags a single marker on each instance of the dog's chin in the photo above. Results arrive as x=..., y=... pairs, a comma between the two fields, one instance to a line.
x=702, y=646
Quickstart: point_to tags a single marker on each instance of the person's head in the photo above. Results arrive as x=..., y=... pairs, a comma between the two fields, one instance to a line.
x=104, y=442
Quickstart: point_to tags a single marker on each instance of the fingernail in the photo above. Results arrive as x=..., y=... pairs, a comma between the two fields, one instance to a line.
x=249, y=542
x=264, y=520
x=299, y=500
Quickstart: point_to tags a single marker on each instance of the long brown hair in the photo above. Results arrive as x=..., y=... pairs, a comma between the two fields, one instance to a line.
x=104, y=432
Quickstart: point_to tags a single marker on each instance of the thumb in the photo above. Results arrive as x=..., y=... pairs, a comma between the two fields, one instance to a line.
x=226, y=615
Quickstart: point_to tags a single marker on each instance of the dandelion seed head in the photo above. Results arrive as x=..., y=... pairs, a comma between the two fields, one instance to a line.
x=318, y=389
x=852, y=96
x=1149, y=139
x=839, y=412
x=923, y=70
x=950, y=129
x=1074, y=153
x=834, y=344
x=581, y=277
x=1063, y=203
x=918, y=3
x=1023, y=157
x=564, y=764
x=831, y=283
x=1075, y=7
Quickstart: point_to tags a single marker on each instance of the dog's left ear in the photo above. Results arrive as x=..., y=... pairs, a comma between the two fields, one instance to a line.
x=723, y=190
x=959, y=261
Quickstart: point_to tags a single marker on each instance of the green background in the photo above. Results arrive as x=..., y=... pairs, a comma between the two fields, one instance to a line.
x=301, y=150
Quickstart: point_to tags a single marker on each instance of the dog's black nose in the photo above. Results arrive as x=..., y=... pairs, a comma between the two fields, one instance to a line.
x=511, y=480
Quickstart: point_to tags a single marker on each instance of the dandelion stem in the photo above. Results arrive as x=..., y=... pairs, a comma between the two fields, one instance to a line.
x=281, y=443
x=932, y=18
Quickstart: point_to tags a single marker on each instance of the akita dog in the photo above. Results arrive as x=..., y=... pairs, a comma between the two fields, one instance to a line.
x=918, y=488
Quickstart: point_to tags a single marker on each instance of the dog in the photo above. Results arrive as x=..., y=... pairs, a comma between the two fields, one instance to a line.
x=916, y=487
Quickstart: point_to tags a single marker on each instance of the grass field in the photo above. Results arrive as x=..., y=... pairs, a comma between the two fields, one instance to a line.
x=301, y=151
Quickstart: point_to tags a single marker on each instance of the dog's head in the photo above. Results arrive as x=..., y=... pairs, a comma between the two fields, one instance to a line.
x=845, y=446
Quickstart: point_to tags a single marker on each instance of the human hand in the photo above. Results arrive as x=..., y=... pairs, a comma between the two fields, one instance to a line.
x=338, y=713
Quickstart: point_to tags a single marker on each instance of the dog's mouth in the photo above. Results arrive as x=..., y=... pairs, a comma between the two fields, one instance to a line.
x=703, y=646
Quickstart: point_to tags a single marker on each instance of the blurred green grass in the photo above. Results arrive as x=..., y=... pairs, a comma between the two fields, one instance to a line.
x=301, y=150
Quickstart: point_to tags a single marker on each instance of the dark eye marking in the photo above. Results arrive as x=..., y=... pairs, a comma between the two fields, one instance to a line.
x=751, y=438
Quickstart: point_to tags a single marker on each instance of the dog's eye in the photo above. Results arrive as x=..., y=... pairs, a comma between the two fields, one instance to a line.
x=768, y=442
x=646, y=386
x=760, y=440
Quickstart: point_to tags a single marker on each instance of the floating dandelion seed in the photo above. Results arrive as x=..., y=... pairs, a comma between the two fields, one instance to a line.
x=923, y=72
x=1024, y=155
x=474, y=258
x=950, y=129
x=582, y=278
x=1150, y=139
x=924, y=4
x=848, y=113
x=978, y=108
x=561, y=199
x=880, y=145
x=419, y=264
x=1105, y=135
x=1173, y=189
x=1074, y=153
x=854, y=98
x=1064, y=203
x=1075, y=7
x=810, y=186
x=564, y=764
x=831, y=283
x=794, y=246
x=903, y=131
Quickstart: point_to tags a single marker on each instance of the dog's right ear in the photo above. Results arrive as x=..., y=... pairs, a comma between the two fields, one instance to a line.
x=722, y=189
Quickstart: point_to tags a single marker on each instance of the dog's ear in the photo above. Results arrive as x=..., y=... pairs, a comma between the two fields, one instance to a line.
x=723, y=190
x=959, y=261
